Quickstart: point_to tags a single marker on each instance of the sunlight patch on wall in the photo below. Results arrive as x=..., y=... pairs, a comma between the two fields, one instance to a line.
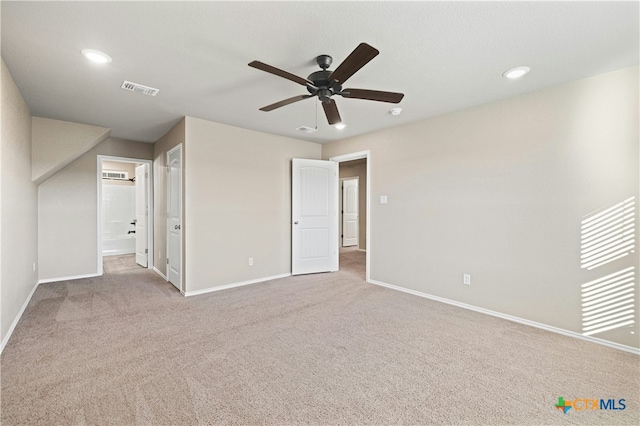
x=608, y=235
x=608, y=302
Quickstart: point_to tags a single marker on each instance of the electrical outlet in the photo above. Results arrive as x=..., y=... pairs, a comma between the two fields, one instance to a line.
x=251, y=261
x=466, y=279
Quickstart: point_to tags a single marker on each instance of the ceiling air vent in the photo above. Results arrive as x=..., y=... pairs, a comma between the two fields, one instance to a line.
x=139, y=88
x=116, y=175
x=307, y=129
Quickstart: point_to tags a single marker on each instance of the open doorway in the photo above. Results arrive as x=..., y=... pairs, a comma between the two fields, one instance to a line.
x=354, y=220
x=125, y=216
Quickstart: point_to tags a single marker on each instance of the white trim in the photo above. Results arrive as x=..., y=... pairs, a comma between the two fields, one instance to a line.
x=73, y=277
x=160, y=273
x=507, y=317
x=119, y=252
x=362, y=250
x=17, y=320
x=357, y=156
x=239, y=284
x=150, y=213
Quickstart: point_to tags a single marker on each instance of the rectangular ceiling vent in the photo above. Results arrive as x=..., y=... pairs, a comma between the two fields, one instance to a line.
x=115, y=175
x=307, y=129
x=139, y=88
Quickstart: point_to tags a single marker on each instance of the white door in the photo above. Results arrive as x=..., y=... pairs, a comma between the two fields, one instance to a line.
x=142, y=214
x=174, y=215
x=350, y=212
x=314, y=225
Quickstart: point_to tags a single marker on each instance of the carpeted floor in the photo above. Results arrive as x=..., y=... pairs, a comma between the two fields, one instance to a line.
x=126, y=348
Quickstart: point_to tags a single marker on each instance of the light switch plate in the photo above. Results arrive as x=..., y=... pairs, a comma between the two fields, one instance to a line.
x=383, y=199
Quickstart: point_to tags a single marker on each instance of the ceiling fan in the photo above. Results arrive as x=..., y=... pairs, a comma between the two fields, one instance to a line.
x=326, y=83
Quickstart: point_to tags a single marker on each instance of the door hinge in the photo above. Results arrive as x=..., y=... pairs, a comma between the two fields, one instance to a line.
x=146, y=251
x=168, y=168
x=167, y=260
x=341, y=236
x=146, y=175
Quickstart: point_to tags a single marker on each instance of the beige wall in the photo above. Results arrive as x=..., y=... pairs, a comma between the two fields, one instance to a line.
x=174, y=137
x=19, y=204
x=499, y=192
x=237, y=203
x=68, y=211
x=358, y=168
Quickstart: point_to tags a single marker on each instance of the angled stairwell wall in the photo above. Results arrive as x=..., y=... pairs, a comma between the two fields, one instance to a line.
x=55, y=144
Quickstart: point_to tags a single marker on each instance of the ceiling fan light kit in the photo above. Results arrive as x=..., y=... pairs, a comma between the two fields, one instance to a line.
x=326, y=83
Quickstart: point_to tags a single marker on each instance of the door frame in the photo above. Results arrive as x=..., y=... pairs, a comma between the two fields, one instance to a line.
x=149, y=164
x=178, y=147
x=357, y=156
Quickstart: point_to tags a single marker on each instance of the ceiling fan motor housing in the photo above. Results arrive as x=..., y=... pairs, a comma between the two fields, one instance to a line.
x=322, y=86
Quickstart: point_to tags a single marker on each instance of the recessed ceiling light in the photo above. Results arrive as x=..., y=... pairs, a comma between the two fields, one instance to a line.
x=96, y=56
x=516, y=72
x=340, y=126
x=395, y=111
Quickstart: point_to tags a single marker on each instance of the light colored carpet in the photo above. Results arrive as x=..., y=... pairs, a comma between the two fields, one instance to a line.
x=127, y=348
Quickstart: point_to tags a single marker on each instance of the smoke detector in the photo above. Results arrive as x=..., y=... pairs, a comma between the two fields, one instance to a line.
x=139, y=88
x=395, y=111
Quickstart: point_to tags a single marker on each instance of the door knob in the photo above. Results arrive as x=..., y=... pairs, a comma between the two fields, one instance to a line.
x=176, y=227
x=295, y=223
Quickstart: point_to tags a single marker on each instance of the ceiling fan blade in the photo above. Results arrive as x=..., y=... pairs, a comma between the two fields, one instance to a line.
x=356, y=60
x=285, y=102
x=331, y=111
x=280, y=73
x=373, y=95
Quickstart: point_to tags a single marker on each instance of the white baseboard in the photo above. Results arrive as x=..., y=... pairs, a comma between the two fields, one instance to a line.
x=240, y=284
x=73, y=277
x=160, y=273
x=553, y=329
x=362, y=250
x=17, y=319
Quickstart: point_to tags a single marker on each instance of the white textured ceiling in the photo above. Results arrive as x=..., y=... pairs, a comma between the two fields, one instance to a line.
x=444, y=56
